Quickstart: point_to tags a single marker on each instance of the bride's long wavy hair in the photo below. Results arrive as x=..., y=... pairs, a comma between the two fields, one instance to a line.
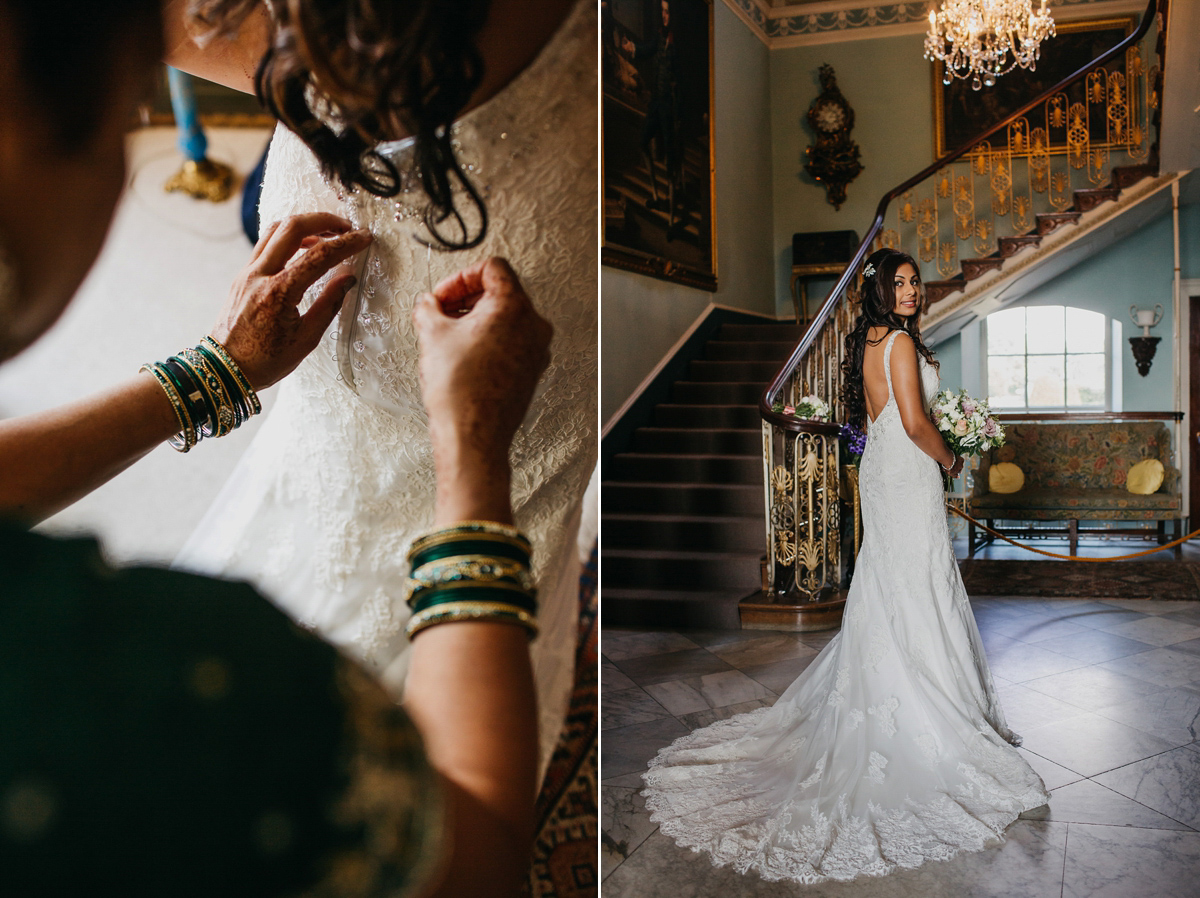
x=389, y=67
x=877, y=304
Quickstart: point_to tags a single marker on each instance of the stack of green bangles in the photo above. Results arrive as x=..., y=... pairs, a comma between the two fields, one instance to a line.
x=473, y=570
x=210, y=394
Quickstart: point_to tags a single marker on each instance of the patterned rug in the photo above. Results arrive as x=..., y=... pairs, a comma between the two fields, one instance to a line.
x=565, y=850
x=1066, y=579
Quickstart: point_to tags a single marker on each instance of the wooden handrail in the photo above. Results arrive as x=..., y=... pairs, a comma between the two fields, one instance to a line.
x=810, y=335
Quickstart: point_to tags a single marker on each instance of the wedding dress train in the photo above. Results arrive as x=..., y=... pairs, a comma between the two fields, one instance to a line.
x=322, y=506
x=891, y=748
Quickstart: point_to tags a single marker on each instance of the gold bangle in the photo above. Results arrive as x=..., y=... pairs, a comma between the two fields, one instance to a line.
x=186, y=438
x=483, y=532
x=467, y=569
x=235, y=371
x=493, y=612
x=210, y=381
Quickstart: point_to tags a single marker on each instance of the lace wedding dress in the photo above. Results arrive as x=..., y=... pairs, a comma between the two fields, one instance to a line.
x=891, y=748
x=321, y=508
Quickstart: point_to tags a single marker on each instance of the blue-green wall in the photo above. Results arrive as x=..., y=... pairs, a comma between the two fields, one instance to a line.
x=887, y=82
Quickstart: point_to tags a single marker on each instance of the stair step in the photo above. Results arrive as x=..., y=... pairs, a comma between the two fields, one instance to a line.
x=669, y=414
x=973, y=268
x=1010, y=246
x=697, y=441
x=721, y=533
x=712, y=393
x=935, y=291
x=776, y=351
x=768, y=332
x=727, y=372
x=680, y=570
x=678, y=468
x=1048, y=221
x=1127, y=175
x=1088, y=198
x=698, y=609
x=683, y=498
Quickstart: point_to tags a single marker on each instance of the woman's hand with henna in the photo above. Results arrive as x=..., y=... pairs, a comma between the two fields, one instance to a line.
x=483, y=348
x=261, y=325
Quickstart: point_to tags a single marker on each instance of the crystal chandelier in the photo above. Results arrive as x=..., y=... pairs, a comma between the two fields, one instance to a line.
x=983, y=39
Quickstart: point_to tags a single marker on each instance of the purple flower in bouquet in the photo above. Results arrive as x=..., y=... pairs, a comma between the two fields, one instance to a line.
x=855, y=441
x=991, y=428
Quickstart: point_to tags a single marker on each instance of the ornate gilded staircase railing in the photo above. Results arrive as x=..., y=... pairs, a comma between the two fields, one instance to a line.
x=1062, y=154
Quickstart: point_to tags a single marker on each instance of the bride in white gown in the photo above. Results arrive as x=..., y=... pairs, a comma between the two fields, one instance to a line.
x=339, y=479
x=891, y=748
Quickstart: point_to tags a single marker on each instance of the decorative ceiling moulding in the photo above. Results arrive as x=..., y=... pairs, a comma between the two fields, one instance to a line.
x=802, y=24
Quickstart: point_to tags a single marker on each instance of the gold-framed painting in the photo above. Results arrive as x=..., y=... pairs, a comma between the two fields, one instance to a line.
x=960, y=113
x=657, y=138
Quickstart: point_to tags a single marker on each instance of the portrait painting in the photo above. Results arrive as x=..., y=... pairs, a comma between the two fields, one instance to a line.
x=658, y=139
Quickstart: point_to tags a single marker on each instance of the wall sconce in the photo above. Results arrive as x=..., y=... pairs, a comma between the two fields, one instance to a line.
x=1145, y=345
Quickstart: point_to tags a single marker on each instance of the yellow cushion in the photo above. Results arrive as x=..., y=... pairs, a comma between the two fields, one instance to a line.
x=1145, y=477
x=1005, y=477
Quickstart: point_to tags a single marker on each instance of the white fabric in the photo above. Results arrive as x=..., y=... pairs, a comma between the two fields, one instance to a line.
x=321, y=510
x=890, y=749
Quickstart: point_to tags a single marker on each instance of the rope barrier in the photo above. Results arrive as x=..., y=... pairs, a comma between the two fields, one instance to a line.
x=986, y=528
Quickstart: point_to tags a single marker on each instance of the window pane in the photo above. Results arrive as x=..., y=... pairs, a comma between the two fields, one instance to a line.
x=1046, y=381
x=1044, y=330
x=1006, y=379
x=1085, y=380
x=1085, y=331
x=1006, y=333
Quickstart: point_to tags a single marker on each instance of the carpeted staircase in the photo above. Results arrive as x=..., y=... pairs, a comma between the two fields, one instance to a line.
x=682, y=529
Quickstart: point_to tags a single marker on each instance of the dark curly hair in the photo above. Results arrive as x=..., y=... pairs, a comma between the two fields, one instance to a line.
x=877, y=304
x=389, y=67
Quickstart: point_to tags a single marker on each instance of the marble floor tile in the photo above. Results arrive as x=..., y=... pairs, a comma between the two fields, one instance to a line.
x=715, y=690
x=1162, y=666
x=1086, y=801
x=1111, y=862
x=763, y=650
x=1094, y=646
x=1021, y=662
x=1172, y=714
x=779, y=675
x=625, y=707
x=1191, y=646
x=611, y=678
x=1028, y=863
x=1014, y=626
x=1027, y=709
x=1168, y=783
x=1151, y=606
x=699, y=719
x=1038, y=629
x=1092, y=688
x=624, y=825
x=1190, y=615
x=708, y=638
x=629, y=749
x=1053, y=775
x=994, y=642
x=1091, y=744
x=626, y=780
x=620, y=646
x=1110, y=616
x=1157, y=630
x=818, y=639
x=649, y=669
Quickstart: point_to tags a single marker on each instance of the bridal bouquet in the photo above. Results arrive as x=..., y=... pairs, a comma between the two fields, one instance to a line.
x=966, y=423
x=812, y=408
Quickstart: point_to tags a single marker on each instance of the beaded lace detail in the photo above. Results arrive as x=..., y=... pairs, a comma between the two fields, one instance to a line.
x=340, y=477
x=891, y=748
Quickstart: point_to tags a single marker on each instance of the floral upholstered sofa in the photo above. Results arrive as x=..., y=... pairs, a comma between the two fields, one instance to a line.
x=1076, y=472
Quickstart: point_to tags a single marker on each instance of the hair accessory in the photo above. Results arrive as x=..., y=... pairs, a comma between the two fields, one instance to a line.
x=869, y=271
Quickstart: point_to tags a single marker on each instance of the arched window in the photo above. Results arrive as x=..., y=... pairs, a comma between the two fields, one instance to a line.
x=1048, y=357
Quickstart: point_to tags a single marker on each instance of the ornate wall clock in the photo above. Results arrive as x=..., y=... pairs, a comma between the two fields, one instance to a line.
x=833, y=159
